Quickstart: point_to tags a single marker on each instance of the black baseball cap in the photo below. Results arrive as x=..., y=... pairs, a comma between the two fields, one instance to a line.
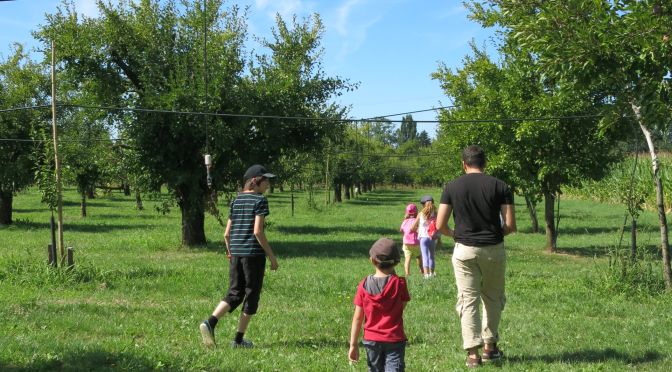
x=257, y=171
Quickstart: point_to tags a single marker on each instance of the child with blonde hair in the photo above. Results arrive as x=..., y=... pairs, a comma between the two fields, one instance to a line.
x=422, y=225
x=411, y=244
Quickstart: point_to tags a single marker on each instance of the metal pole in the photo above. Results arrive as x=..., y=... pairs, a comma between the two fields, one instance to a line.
x=59, y=201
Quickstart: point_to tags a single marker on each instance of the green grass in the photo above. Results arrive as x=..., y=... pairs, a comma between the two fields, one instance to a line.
x=136, y=297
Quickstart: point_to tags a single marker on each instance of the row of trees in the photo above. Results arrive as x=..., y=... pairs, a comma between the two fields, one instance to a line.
x=602, y=66
x=189, y=58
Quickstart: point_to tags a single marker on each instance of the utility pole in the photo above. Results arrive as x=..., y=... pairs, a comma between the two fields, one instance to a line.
x=59, y=198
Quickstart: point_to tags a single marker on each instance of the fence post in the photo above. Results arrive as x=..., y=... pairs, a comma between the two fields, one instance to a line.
x=71, y=260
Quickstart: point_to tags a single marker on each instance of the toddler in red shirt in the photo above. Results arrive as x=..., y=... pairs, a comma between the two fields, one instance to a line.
x=379, y=304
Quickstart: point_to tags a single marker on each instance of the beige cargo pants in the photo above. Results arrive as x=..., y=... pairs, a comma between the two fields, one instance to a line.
x=479, y=275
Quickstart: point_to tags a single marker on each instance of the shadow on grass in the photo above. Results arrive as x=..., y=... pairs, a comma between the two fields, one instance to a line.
x=588, y=230
x=318, y=230
x=314, y=343
x=96, y=360
x=331, y=249
x=589, y=356
x=95, y=228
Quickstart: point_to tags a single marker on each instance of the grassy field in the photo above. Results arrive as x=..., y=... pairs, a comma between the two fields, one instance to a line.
x=136, y=297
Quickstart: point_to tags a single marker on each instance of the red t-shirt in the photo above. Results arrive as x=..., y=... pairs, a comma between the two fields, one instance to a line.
x=383, y=313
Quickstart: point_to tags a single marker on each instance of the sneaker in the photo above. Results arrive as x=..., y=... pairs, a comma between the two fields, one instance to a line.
x=207, y=333
x=492, y=355
x=245, y=344
x=473, y=362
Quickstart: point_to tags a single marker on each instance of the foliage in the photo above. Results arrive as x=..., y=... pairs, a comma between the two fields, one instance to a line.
x=22, y=84
x=408, y=129
x=149, y=54
x=627, y=277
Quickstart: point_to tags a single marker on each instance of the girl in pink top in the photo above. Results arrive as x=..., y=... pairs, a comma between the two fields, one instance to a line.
x=411, y=244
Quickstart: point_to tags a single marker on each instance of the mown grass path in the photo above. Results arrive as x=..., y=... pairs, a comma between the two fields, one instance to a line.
x=136, y=297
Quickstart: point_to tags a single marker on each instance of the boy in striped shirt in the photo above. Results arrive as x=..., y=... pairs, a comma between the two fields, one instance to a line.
x=248, y=248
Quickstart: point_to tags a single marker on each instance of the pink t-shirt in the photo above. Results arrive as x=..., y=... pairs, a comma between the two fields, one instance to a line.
x=410, y=237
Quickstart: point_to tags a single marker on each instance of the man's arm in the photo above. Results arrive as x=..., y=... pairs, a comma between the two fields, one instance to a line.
x=509, y=214
x=442, y=217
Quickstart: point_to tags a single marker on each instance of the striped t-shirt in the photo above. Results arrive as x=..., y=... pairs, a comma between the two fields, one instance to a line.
x=243, y=212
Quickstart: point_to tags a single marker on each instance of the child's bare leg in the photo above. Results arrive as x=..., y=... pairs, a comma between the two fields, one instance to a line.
x=243, y=322
x=407, y=265
x=221, y=309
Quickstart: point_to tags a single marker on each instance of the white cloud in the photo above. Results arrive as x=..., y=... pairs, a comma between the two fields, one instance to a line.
x=286, y=8
x=352, y=22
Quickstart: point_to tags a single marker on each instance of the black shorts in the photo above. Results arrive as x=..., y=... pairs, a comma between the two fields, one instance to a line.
x=246, y=276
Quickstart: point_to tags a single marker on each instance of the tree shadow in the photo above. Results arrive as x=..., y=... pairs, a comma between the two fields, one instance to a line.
x=590, y=251
x=314, y=343
x=319, y=230
x=587, y=230
x=335, y=249
x=77, y=360
x=93, y=228
x=589, y=356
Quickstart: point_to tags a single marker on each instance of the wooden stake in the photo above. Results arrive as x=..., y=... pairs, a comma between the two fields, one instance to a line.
x=56, y=159
x=71, y=259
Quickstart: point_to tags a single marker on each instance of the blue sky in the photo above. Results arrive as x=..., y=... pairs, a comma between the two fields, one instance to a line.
x=391, y=47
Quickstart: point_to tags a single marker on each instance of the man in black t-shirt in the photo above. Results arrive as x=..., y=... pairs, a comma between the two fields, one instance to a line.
x=483, y=211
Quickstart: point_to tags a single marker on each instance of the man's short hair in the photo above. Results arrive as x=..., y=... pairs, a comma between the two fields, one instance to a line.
x=474, y=157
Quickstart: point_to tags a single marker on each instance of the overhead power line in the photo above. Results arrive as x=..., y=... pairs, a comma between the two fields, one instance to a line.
x=412, y=112
x=23, y=108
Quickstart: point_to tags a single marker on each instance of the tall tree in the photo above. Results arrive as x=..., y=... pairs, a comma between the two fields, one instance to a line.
x=535, y=157
x=22, y=84
x=619, y=48
x=408, y=129
x=150, y=54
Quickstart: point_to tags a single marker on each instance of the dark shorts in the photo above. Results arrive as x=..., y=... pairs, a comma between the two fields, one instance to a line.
x=246, y=276
x=385, y=356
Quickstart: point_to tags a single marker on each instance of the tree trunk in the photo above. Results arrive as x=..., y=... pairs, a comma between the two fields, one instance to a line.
x=193, y=217
x=549, y=217
x=633, y=240
x=660, y=201
x=6, y=199
x=83, y=205
x=127, y=189
x=138, y=201
x=337, y=193
x=347, y=191
x=91, y=192
x=532, y=209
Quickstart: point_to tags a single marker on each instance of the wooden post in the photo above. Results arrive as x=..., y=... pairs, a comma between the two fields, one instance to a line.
x=326, y=183
x=71, y=259
x=50, y=254
x=53, y=259
x=633, y=240
x=56, y=158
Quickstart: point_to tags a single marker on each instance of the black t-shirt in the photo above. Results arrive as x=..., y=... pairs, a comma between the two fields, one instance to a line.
x=476, y=200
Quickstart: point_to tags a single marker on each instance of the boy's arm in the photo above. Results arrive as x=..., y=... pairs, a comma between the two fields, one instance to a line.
x=261, y=238
x=227, y=238
x=357, y=319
